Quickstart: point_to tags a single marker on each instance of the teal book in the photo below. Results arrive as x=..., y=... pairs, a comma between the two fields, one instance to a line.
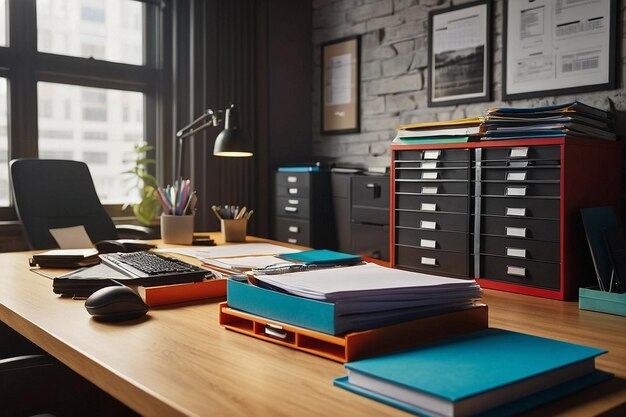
x=322, y=257
x=488, y=373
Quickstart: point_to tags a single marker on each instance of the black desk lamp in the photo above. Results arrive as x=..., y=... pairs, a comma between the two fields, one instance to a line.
x=231, y=141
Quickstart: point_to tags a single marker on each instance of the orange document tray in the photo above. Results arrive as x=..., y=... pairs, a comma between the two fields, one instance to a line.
x=357, y=345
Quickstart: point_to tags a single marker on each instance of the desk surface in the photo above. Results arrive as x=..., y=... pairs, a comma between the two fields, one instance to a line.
x=179, y=361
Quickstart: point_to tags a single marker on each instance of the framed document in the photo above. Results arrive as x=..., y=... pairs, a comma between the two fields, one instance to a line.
x=459, y=54
x=341, y=86
x=556, y=47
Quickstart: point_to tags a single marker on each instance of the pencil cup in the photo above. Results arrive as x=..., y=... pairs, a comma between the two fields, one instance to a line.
x=177, y=229
x=234, y=230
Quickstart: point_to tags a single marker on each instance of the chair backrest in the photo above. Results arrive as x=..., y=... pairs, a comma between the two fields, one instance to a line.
x=51, y=194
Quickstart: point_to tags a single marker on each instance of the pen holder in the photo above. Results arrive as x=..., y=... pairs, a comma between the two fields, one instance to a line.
x=234, y=230
x=177, y=229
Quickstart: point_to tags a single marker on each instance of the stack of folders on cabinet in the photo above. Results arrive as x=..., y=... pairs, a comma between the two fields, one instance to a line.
x=449, y=131
x=569, y=119
x=347, y=312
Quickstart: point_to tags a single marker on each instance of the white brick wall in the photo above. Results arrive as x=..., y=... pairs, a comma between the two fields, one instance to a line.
x=394, y=60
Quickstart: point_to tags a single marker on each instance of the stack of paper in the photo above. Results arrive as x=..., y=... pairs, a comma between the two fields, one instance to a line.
x=370, y=288
x=450, y=131
x=570, y=119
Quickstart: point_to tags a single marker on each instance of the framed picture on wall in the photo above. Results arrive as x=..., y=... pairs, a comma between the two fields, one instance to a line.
x=459, y=54
x=552, y=47
x=341, y=86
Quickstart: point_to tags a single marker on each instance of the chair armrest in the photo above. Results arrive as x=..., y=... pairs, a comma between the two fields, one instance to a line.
x=26, y=361
x=137, y=232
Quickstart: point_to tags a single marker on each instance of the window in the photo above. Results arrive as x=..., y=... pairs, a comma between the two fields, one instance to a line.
x=80, y=102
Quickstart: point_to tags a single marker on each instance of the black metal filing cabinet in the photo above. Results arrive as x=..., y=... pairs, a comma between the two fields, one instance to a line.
x=304, y=210
x=369, y=196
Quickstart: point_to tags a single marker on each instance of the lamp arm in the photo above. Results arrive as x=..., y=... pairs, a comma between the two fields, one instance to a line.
x=191, y=130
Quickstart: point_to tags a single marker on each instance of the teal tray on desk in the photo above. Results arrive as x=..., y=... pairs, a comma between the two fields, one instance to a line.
x=602, y=301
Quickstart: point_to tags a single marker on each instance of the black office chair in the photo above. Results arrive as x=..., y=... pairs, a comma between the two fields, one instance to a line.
x=51, y=194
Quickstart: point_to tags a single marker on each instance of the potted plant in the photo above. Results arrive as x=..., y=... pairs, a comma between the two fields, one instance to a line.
x=148, y=208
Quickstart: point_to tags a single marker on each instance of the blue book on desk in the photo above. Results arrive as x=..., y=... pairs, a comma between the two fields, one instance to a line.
x=321, y=257
x=493, y=372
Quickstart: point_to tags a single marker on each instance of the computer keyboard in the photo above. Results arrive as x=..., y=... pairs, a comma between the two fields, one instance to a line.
x=147, y=264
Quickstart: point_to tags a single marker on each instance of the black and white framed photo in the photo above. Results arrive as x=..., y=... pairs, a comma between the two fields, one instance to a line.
x=459, y=54
x=341, y=61
x=554, y=47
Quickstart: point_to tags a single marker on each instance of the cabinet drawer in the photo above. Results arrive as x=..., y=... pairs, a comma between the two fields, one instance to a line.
x=370, y=240
x=428, y=239
x=515, y=175
x=534, y=250
x=293, y=207
x=409, y=173
x=548, y=230
x=292, y=191
x=370, y=215
x=522, y=272
x=293, y=179
x=434, y=155
x=434, y=203
x=551, y=153
x=521, y=190
x=432, y=261
x=441, y=188
x=292, y=231
x=370, y=191
x=444, y=221
x=521, y=207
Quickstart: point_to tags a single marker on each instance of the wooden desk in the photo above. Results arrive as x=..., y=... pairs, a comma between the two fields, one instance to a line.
x=179, y=361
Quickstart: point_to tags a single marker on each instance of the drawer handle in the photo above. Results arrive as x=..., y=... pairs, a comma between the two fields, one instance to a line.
x=516, y=176
x=292, y=240
x=428, y=207
x=428, y=261
x=293, y=201
x=425, y=224
x=516, y=231
x=430, y=165
x=428, y=243
x=517, y=164
x=432, y=154
x=294, y=229
x=519, y=152
x=292, y=191
x=515, y=191
x=514, y=211
x=290, y=209
x=375, y=188
x=292, y=179
x=430, y=175
x=274, y=330
x=516, y=252
x=517, y=271
x=430, y=190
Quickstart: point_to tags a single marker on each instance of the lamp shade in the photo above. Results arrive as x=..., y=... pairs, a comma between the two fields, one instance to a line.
x=232, y=141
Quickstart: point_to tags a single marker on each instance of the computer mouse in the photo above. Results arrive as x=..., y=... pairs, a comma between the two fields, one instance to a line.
x=115, y=303
x=110, y=246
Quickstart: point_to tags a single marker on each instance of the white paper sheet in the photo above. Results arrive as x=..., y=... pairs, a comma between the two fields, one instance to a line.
x=74, y=237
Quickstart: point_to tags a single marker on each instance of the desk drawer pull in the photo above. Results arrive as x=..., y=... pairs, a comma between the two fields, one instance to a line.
x=428, y=207
x=425, y=224
x=293, y=201
x=516, y=176
x=518, y=253
x=518, y=164
x=514, y=211
x=291, y=179
x=519, y=152
x=428, y=261
x=432, y=154
x=430, y=175
x=517, y=271
x=292, y=240
x=515, y=191
x=429, y=165
x=273, y=330
x=292, y=191
x=516, y=231
x=290, y=209
x=429, y=190
x=428, y=243
x=294, y=229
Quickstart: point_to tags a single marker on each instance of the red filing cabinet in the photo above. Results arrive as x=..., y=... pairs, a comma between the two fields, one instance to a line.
x=505, y=213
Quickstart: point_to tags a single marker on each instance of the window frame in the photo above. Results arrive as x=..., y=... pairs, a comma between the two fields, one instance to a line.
x=24, y=66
